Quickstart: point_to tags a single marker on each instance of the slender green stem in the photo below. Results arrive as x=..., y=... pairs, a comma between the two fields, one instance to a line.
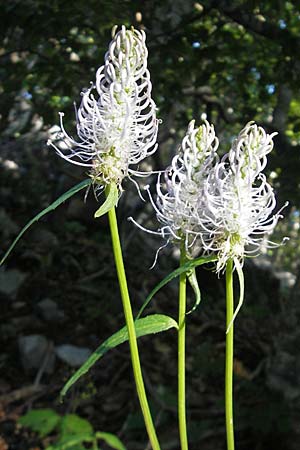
x=131, y=330
x=181, y=356
x=229, y=357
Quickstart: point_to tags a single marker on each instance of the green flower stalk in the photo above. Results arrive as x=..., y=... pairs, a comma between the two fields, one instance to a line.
x=131, y=329
x=218, y=207
x=177, y=209
x=181, y=356
x=229, y=357
x=117, y=129
x=238, y=220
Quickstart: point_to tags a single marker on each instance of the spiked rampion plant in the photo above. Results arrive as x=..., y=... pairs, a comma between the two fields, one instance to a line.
x=214, y=210
x=222, y=209
x=117, y=129
x=178, y=208
x=238, y=221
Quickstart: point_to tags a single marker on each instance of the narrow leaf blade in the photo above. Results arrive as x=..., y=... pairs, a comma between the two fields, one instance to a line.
x=184, y=268
x=192, y=278
x=151, y=324
x=239, y=270
x=112, y=197
x=51, y=207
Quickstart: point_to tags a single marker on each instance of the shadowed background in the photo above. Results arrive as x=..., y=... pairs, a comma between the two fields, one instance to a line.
x=228, y=61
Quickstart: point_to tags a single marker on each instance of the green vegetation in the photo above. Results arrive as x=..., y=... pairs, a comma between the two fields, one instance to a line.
x=70, y=431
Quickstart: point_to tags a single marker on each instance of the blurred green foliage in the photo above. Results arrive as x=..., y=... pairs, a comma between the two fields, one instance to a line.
x=70, y=431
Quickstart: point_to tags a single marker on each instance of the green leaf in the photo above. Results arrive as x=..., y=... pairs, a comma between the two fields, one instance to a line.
x=111, y=439
x=51, y=207
x=42, y=421
x=73, y=442
x=192, y=277
x=72, y=424
x=147, y=325
x=112, y=197
x=239, y=270
x=184, y=268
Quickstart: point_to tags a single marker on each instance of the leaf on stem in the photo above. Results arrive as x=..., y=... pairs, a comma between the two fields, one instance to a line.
x=239, y=270
x=51, y=207
x=112, y=197
x=147, y=325
x=184, y=268
x=192, y=278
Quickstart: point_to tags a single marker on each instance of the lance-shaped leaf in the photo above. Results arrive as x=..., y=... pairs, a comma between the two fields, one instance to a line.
x=239, y=270
x=188, y=266
x=192, y=278
x=51, y=207
x=152, y=324
x=112, y=197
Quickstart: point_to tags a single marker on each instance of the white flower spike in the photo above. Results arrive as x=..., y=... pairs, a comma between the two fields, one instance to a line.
x=239, y=201
x=117, y=128
x=179, y=203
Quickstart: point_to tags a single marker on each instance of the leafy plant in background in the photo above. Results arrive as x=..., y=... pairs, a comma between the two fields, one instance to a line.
x=71, y=431
x=214, y=210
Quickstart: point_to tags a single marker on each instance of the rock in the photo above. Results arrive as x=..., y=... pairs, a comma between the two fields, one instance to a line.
x=72, y=355
x=49, y=311
x=34, y=350
x=10, y=281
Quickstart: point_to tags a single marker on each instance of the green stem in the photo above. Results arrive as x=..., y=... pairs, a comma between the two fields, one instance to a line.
x=131, y=329
x=229, y=357
x=181, y=356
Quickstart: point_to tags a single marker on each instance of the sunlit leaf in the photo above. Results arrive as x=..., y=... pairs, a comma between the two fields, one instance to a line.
x=152, y=324
x=51, y=207
x=239, y=270
x=190, y=265
x=112, y=196
x=192, y=278
x=72, y=424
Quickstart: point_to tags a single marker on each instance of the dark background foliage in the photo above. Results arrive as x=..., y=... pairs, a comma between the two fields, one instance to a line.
x=235, y=61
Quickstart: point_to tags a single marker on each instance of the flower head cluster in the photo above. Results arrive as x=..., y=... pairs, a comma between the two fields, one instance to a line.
x=180, y=187
x=223, y=207
x=117, y=127
x=239, y=201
